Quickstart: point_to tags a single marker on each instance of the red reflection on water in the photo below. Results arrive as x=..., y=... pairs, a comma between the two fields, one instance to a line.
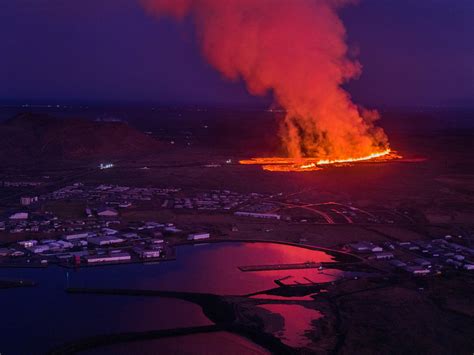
x=285, y=298
x=297, y=321
x=214, y=268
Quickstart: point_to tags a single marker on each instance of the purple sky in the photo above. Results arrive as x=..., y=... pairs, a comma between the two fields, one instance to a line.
x=414, y=52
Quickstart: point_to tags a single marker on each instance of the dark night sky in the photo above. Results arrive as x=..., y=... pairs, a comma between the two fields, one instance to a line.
x=414, y=52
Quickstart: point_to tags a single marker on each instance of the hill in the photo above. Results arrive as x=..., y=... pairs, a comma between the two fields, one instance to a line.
x=39, y=136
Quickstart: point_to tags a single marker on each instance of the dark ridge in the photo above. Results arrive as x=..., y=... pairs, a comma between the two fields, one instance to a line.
x=39, y=136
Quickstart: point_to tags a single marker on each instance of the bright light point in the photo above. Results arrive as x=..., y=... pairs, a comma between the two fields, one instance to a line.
x=103, y=166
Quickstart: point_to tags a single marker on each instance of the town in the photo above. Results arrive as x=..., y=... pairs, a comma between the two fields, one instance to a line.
x=99, y=234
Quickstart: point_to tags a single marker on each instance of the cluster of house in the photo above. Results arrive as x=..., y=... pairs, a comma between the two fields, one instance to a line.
x=257, y=215
x=109, y=198
x=20, y=222
x=123, y=196
x=264, y=210
x=213, y=200
x=100, y=237
x=111, y=194
x=420, y=257
x=92, y=240
x=7, y=183
x=46, y=222
x=142, y=240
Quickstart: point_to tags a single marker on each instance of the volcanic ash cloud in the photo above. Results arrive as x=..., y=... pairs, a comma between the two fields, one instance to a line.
x=297, y=50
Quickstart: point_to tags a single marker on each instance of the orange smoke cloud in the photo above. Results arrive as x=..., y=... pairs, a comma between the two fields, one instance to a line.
x=296, y=49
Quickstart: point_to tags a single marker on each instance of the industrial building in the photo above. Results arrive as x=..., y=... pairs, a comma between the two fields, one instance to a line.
x=19, y=215
x=38, y=248
x=417, y=270
x=76, y=236
x=105, y=240
x=257, y=215
x=365, y=247
x=107, y=258
x=107, y=212
x=397, y=263
x=383, y=255
x=147, y=253
x=5, y=251
x=198, y=236
x=28, y=243
x=28, y=200
x=422, y=262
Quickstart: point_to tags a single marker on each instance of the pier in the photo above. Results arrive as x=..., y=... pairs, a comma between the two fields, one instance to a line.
x=306, y=265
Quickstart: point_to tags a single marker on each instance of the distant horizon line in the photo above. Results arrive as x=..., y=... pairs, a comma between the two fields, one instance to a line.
x=181, y=105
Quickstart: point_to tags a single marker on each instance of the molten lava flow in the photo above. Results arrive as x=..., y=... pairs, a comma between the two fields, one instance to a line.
x=353, y=160
x=308, y=164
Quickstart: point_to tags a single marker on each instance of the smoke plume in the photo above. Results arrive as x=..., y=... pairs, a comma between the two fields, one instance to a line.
x=297, y=50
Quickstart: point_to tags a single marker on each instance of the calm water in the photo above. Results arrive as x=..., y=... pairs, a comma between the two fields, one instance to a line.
x=297, y=320
x=216, y=343
x=36, y=319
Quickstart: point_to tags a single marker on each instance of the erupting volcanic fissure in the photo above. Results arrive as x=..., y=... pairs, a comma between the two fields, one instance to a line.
x=297, y=50
x=311, y=164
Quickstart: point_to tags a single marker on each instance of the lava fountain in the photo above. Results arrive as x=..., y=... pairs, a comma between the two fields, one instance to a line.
x=297, y=51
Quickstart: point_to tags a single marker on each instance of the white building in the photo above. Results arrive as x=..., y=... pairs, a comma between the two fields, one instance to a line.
x=5, y=251
x=64, y=244
x=417, y=270
x=107, y=212
x=148, y=253
x=365, y=247
x=422, y=262
x=39, y=248
x=130, y=235
x=27, y=243
x=198, y=236
x=19, y=215
x=172, y=229
x=93, y=259
x=454, y=262
x=28, y=200
x=105, y=240
x=76, y=236
x=109, y=231
x=80, y=243
x=103, y=166
x=17, y=253
x=257, y=215
x=152, y=225
x=383, y=255
x=397, y=263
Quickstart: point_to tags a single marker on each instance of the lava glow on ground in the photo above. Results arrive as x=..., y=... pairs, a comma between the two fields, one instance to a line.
x=310, y=164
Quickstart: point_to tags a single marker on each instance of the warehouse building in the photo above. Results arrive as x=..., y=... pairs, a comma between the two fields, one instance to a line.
x=28, y=200
x=365, y=247
x=107, y=258
x=107, y=212
x=257, y=215
x=198, y=236
x=76, y=236
x=105, y=240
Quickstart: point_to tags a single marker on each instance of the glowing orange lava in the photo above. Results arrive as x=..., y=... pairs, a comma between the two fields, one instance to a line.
x=310, y=164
